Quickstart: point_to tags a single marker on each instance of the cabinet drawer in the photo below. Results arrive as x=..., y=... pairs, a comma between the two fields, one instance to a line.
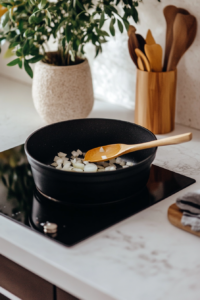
x=61, y=295
x=22, y=283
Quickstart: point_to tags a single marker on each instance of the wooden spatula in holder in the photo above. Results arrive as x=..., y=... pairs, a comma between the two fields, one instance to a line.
x=155, y=100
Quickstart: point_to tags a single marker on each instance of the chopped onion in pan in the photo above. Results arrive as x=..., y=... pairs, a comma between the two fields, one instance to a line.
x=78, y=164
x=61, y=154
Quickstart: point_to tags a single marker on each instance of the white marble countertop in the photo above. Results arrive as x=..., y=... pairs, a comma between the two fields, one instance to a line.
x=143, y=257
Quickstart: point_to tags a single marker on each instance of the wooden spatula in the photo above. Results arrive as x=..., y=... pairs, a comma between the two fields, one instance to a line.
x=140, y=64
x=170, y=13
x=154, y=55
x=184, y=32
x=115, y=150
x=149, y=38
x=145, y=62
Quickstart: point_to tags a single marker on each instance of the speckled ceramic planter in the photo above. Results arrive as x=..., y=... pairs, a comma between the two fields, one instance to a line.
x=62, y=93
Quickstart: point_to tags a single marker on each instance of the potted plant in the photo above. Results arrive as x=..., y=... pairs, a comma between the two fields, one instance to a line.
x=62, y=84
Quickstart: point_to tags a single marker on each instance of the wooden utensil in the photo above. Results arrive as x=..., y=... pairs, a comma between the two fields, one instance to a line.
x=140, y=64
x=140, y=39
x=141, y=42
x=154, y=55
x=184, y=32
x=170, y=13
x=115, y=150
x=146, y=64
x=175, y=215
x=149, y=38
x=132, y=44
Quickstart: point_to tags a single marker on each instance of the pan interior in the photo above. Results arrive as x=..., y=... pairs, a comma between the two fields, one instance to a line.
x=85, y=134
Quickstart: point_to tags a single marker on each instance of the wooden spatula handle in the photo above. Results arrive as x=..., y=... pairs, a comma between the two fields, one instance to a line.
x=177, y=139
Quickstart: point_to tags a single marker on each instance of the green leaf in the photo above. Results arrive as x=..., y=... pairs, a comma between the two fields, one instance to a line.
x=20, y=63
x=102, y=32
x=112, y=8
x=134, y=14
x=80, y=5
x=26, y=48
x=13, y=62
x=121, y=28
x=42, y=4
x=102, y=20
x=35, y=59
x=19, y=52
x=112, y=29
x=28, y=69
x=29, y=33
x=108, y=11
x=6, y=19
x=13, y=45
x=48, y=14
x=126, y=23
x=68, y=33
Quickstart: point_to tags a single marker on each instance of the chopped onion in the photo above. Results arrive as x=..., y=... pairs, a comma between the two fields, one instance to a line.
x=67, y=169
x=100, y=167
x=61, y=154
x=112, y=161
x=90, y=168
x=77, y=170
x=59, y=161
x=67, y=164
x=74, y=153
x=79, y=152
x=65, y=159
x=56, y=158
x=78, y=164
x=129, y=163
x=101, y=149
x=59, y=167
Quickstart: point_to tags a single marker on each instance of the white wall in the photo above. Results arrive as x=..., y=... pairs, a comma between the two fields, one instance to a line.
x=114, y=73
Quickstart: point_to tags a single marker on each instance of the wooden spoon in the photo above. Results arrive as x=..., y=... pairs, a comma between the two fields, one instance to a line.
x=140, y=64
x=184, y=32
x=115, y=150
x=141, y=42
x=154, y=55
x=149, y=38
x=144, y=59
x=170, y=13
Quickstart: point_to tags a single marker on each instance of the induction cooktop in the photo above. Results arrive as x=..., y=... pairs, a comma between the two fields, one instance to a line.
x=21, y=202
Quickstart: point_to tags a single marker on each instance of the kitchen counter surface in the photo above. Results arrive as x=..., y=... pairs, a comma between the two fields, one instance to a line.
x=142, y=257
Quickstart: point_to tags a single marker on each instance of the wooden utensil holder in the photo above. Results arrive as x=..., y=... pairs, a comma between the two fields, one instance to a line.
x=155, y=100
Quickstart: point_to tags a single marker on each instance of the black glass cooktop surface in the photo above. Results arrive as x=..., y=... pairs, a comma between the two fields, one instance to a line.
x=21, y=202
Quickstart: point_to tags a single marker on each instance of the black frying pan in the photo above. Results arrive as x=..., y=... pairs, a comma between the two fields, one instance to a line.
x=85, y=134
